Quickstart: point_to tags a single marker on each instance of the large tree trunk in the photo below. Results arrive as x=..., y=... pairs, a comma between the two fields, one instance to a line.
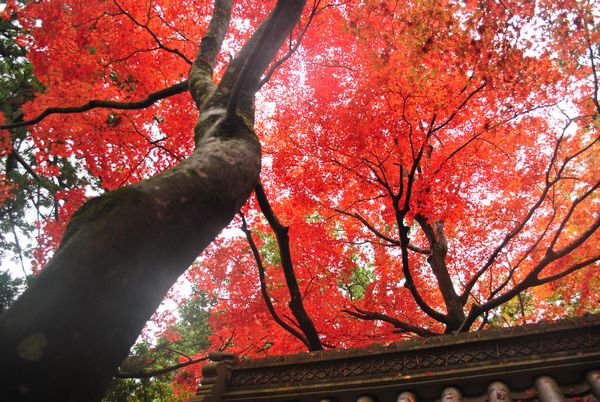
x=65, y=337
x=122, y=253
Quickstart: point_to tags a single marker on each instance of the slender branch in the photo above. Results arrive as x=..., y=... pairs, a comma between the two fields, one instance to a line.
x=42, y=181
x=528, y=252
x=245, y=71
x=517, y=229
x=353, y=170
x=483, y=322
x=17, y=243
x=332, y=64
x=291, y=49
x=373, y=230
x=455, y=112
x=168, y=349
x=263, y=285
x=173, y=28
x=253, y=60
x=408, y=123
x=391, y=241
x=138, y=51
x=94, y=104
x=595, y=75
x=147, y=29
x=149, y=374
x=356, y=201
x=532, y=279
x=381, y=177
x=570, y=212
x=411, y=176
x=133, y=169
x=405, y=242
x=570, y=270
x=521, y=304
x=400, y=325
x=296, y=305
x=478, y=134
x=553, y=255
x=32, y=172
x=505, y=282
x=154, y=143
x=363, y=242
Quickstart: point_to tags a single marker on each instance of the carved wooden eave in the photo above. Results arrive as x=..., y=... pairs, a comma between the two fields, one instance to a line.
x=531, y=362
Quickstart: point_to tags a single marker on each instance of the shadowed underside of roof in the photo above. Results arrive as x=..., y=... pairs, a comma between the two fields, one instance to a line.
x=546, y=362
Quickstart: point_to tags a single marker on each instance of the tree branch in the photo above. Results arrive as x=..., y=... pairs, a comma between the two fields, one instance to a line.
x=147, y=29
x=253, y=60
x=292, y=48
x=296, y=304
x=437, y=260
x=400, y=325
x=257, y=53
x=595, y=75
x=263, y=285
x=154, y=143
x=405, y=242
x=149, y=374
x=570, y=270
x=570, y=212
x=478, y=134
x=41, y=181
x=44, y=183
x=409, y=281
x=391, y=241
x=94, y=104
x=532, y=279
x=521, y=224
x=373, y=230
x=17, y=244
x=455, y=112
x=201, y=73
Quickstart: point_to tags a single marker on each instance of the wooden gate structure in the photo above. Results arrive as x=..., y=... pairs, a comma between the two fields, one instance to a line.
x=540, y=362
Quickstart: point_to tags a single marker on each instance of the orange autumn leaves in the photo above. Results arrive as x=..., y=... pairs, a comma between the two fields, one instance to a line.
x=359, y=115
x=477, y=114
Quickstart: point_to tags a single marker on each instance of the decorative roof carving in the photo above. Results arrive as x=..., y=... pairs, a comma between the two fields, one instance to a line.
x=494, y=347
x=528, y=363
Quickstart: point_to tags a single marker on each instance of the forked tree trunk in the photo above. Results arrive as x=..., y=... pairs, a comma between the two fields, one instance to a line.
x=65, y=337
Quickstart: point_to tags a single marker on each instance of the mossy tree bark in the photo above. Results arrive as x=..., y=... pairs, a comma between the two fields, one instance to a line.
x=65, y=337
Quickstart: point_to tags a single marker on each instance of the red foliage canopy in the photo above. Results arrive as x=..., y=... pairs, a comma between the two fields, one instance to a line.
x=432, y=165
